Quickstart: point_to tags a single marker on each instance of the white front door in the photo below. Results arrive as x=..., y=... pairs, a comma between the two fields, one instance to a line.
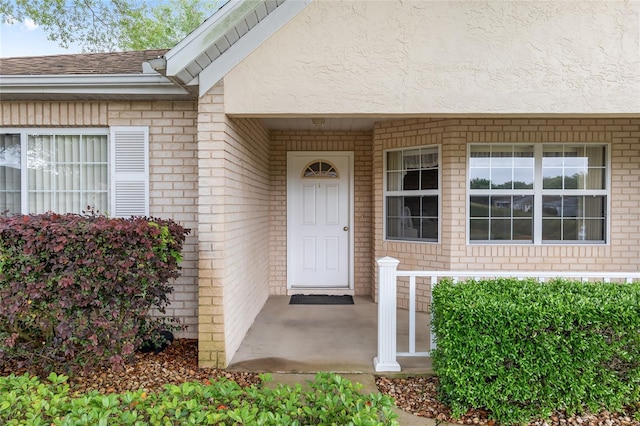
x=319, y=220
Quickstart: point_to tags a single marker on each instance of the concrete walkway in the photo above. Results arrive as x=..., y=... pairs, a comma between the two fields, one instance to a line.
x=293, y=342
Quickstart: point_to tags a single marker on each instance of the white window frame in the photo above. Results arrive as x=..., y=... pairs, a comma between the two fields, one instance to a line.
x=136, y=142
x=412, y=193
x=538, y=192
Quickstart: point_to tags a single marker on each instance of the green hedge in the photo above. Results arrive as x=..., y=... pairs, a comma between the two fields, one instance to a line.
x=77, y=289
x=329, y=400
x=521, y=349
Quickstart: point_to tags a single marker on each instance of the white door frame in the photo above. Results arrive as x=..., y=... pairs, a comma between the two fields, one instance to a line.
x=295, y=173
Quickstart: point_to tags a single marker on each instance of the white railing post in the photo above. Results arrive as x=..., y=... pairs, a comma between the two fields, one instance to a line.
x=386, y=359
x=432, y=334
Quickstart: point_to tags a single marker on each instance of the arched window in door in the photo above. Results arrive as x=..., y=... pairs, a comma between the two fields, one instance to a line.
x=320, y=169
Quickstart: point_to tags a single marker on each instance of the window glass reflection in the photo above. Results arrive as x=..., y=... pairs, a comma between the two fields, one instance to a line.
x=510, y=217
x=580, y=218
x=412, y=218
x=10, y=177
x=480, y=178
x=501, y=167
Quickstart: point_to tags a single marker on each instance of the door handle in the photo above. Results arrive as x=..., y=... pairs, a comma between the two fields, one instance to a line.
x=346, y=228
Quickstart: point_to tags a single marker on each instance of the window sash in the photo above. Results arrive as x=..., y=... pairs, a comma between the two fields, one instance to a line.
x=574, y=218
x=506, y=166
x=580, y=172
x=412, y=198
x=10, y=173
x=67, y=173
x=490, y=214
x=414, y=218
x=62, y=170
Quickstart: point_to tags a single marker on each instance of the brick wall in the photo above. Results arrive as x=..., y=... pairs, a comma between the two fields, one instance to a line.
x=173, y=167
x=234, y=227
x=211, y=134
x=53, y=114
x=360, y=144
x=622, y=253
x=225, y=179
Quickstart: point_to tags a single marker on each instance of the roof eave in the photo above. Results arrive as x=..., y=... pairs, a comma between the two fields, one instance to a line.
x=215, y=71
x=99, y=84
x=189, y=62
x=192, y=46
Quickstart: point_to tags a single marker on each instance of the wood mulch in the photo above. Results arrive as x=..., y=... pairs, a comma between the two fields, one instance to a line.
x=417, y=395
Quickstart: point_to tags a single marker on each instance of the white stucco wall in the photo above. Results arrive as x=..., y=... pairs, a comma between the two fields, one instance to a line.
x=441, y=57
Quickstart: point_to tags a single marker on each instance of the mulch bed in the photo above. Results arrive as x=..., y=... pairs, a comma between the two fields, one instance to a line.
x=418, y=395
x=150, y=372
x=179, y=364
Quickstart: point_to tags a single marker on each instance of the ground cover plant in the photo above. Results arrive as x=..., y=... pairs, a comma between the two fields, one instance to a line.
x=329, y=399
x=77, y=290
x=178, y=364
x=522, y=349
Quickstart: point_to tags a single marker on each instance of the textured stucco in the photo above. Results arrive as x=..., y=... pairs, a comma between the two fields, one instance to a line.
x=425, y=57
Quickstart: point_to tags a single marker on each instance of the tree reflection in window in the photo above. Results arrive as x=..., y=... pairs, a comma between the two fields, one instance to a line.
x=320, y=169
x=566, y=198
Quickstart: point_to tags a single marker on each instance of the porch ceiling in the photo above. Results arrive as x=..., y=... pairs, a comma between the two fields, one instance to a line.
x=339, y=124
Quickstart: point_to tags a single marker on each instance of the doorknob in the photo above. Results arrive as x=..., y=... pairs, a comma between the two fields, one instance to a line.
x=346, y=228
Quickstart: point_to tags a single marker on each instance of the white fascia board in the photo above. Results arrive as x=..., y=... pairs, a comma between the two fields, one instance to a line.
x=90, y=84
x=249, y=42
x=191, y=47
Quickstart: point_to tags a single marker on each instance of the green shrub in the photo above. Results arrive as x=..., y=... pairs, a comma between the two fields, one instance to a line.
x=77, y=289
x=521, y=349
x=329, y=400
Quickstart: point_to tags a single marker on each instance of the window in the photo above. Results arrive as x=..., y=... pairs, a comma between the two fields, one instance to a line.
x=412, y=194
x=68, y=170
x=320, y=169
x=543, y=193
x=10, y=176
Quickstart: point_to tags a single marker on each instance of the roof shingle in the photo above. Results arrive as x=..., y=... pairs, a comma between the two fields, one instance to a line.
x=83, y=63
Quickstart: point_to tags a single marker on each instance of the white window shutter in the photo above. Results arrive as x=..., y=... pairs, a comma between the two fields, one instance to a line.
x=129, y=171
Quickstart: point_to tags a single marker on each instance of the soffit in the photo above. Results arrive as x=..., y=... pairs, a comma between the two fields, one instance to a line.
x=215, y=36
x=225, y=39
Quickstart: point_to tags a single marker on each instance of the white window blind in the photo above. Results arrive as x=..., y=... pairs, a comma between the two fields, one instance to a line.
x=67, y=173
x=10, y=173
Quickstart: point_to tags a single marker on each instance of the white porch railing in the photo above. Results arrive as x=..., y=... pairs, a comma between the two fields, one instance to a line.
x=387, y=302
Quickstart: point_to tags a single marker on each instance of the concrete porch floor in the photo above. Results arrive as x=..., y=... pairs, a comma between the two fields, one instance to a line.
x=295, y=341
x=310, y=338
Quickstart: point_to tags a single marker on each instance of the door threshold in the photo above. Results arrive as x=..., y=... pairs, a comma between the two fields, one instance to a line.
x=327, y=291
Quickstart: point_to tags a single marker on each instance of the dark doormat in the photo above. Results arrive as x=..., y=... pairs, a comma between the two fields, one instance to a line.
x=320, y=299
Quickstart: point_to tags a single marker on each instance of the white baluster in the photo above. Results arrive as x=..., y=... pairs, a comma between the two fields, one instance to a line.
x=412, y=314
